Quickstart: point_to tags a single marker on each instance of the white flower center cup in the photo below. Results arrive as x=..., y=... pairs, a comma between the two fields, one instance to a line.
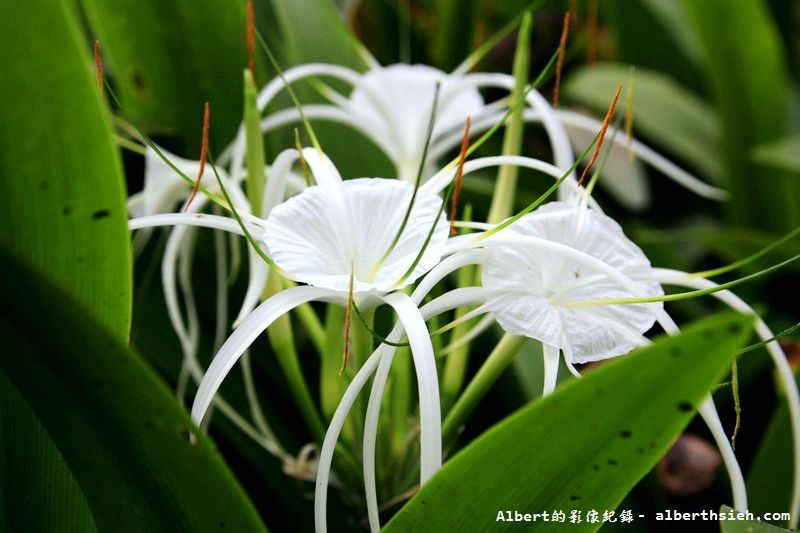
x=337, y=228
x=532, y=292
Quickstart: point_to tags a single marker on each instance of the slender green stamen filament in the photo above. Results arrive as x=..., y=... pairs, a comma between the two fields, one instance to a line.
x=771, y=339
x=292, y=95
x=542, y=198
x=747, y=260
x=241, y=223
x=682, y=295
x=429, y=134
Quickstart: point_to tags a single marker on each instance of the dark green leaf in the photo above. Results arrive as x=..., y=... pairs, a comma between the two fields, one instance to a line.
x=746, y=70
x=769, y=481
x=168, y=57
x=118, y=427
x=64, y=210
x=586, y=445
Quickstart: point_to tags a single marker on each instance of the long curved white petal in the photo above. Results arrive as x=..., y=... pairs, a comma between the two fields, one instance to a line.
x=250, y=328
x=443, y=179
x=708, y=411
x=456, y=298
x=186, y=219
x=648, y=155
x=675, y=277
x=427, y=383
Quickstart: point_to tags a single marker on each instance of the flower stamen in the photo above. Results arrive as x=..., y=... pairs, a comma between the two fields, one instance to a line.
x=602, y=134
x=562, y=49
x=203, y=155
x=98, y=66
x=346, y=350
x=459, y=176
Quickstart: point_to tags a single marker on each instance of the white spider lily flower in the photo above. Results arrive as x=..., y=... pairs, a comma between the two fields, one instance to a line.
x=323, y=236
x=537, y=302
x=529, y=291
x=391, y=106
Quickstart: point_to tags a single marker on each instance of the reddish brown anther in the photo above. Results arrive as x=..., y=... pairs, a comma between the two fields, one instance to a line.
x=562, y=50
x=203, y=155
x=602, y=134
x=98, y=66
x=251, y=39
x=459, y=176
x=347, y=315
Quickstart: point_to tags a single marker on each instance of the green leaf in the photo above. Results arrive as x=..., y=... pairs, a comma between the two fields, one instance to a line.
x=453, y=37
x=674, y=118
x=37, y=490
x=311, y=31
x=781, y=154
x=769, y=481
x=166, y=58
x=118, y=427
x=746, y=70
x=62, y=189
x=63, y=200
x=746, y=526
x=586, y=445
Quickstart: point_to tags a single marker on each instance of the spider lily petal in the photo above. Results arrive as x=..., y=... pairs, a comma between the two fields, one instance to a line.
x=675, y=277
x=437, y=306
x=250, y=328
x=529, y=290
x=430, y=426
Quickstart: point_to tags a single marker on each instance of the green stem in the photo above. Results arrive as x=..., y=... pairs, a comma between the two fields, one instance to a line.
x=255, y=145
x=506, y=186
x=492, y=368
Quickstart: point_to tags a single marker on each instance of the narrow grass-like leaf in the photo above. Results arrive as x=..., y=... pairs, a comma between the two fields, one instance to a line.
x=586, y=445
x=256, y=180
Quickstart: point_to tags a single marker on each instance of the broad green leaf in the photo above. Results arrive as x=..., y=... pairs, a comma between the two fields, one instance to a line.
x=664, y=112
x=782, y=154
x=62, y=191
x=746, y=526
x=37, y=490
x=746, y=70
x=167, y=57
x=769, y=481
x=118, y=427
x=586, y=445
